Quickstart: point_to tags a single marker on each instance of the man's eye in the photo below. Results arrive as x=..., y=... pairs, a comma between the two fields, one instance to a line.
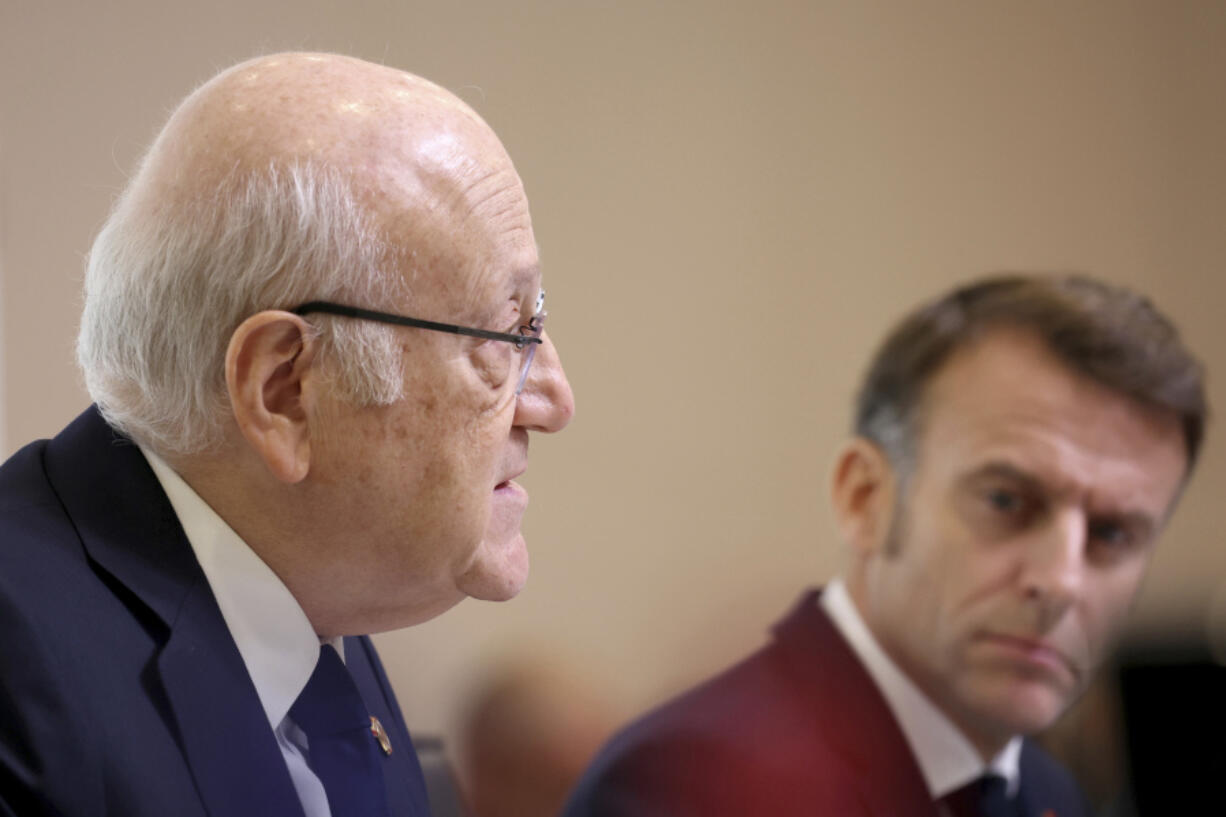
x=1005, y=501
x=1108, y=542
x=515, y=320
x=1110, y=534
x=1010, y=508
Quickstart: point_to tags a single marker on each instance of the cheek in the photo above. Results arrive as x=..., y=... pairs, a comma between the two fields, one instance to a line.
x=985, y=582
x=970, y=574
x=493, y=363
x=463, y=429
x=954, y=591
x=458, y=433
x=941, y=579
x=472, y=460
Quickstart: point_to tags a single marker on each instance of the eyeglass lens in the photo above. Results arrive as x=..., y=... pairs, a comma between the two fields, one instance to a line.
x=529, y=351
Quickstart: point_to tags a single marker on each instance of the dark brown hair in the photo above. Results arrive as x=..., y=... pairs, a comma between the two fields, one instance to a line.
x=1102, y=331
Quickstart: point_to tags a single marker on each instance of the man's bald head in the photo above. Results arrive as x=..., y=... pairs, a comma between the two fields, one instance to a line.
x=400, y=138
x=287, y=178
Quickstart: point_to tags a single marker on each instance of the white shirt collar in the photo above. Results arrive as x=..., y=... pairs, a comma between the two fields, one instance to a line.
x=946, y=758
x=272, y=633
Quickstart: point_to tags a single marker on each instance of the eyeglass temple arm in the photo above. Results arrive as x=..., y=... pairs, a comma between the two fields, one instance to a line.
x=401, y=320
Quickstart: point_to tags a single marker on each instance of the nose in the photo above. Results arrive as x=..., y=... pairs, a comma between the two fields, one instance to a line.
x=1054, y=567
x=546, y=403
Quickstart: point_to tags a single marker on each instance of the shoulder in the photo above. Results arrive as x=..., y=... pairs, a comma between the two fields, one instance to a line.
x=83, y=719
x=44, y=573
x=797, y=728
x=42, y=693
x=748, y=741
x=29, y=507
x=49, y=588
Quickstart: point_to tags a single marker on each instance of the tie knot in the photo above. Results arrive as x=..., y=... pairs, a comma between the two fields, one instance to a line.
x=330, y=702
x=985, y=796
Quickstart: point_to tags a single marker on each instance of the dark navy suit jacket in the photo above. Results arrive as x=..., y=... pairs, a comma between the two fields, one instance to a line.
x=121, y=690
x=799, y=728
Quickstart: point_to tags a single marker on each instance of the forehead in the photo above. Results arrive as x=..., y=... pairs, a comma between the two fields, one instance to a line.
x=462, y=225
x=1006, y=399
x=477, y=274
x=436, y=179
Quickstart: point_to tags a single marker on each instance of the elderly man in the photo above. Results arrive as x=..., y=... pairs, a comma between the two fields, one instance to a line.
x=313, y=333
x=1019, y=444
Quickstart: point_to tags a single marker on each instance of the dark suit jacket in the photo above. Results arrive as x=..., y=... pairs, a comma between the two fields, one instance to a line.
x=798, y=728
x=121, y=690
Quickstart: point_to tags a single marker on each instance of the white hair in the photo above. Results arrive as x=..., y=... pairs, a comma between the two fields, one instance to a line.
x=167, y=283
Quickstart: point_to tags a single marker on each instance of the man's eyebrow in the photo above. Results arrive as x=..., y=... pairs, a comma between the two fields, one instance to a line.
x=1001, y=469
x=525, y=276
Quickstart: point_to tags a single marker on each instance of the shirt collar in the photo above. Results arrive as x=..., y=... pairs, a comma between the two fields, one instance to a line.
x=945, y=756
x=273, y=635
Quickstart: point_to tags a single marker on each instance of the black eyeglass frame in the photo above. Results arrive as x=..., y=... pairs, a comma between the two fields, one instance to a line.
x=327, y=307
x=529, y=334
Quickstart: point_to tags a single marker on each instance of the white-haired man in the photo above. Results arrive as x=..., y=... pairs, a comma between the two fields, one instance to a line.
x=313, y=334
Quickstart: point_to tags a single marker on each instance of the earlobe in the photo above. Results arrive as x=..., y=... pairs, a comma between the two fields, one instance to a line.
x=269, y=357
x=862, y=494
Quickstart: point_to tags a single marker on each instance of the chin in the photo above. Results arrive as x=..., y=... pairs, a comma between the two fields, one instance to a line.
x=1024, y=708
x=498, y=571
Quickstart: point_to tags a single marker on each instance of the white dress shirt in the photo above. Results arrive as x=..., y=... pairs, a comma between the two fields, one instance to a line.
x=946, y=758
x=272, y=633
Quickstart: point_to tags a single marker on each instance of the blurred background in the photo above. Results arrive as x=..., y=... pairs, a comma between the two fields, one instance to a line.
x=734, y=201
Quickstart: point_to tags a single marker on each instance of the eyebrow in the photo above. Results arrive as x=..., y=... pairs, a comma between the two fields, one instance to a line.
x=1000, y=469
x=524, y=276
x=518, y=279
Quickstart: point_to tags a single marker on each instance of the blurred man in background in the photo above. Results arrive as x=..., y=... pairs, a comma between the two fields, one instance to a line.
x=1019, y=445
x=313, y=333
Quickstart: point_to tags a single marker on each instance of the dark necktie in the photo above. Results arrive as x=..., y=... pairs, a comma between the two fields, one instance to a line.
x=983, y=797
x=342, y=751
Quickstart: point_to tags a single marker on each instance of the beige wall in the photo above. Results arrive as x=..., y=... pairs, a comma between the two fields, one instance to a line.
x=733, y=201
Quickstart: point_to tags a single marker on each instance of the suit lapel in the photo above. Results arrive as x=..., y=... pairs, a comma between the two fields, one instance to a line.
x=852, y=713
x=233, y=755
x=130, y=531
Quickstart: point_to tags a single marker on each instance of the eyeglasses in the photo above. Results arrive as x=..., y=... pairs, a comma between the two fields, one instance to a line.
x=525, y=341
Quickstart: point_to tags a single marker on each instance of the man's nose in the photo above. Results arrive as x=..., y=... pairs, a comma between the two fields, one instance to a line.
x=546, y=403
x=1055, y=566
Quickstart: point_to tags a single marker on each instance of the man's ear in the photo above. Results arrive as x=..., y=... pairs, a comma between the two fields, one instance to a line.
x=269, y=356
x=862, y=493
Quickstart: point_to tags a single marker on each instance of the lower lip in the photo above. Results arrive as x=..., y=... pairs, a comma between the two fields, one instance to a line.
x=1029, y=653
x=510, y=490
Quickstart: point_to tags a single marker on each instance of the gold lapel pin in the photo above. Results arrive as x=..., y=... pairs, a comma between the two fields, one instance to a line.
x=380, y=734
